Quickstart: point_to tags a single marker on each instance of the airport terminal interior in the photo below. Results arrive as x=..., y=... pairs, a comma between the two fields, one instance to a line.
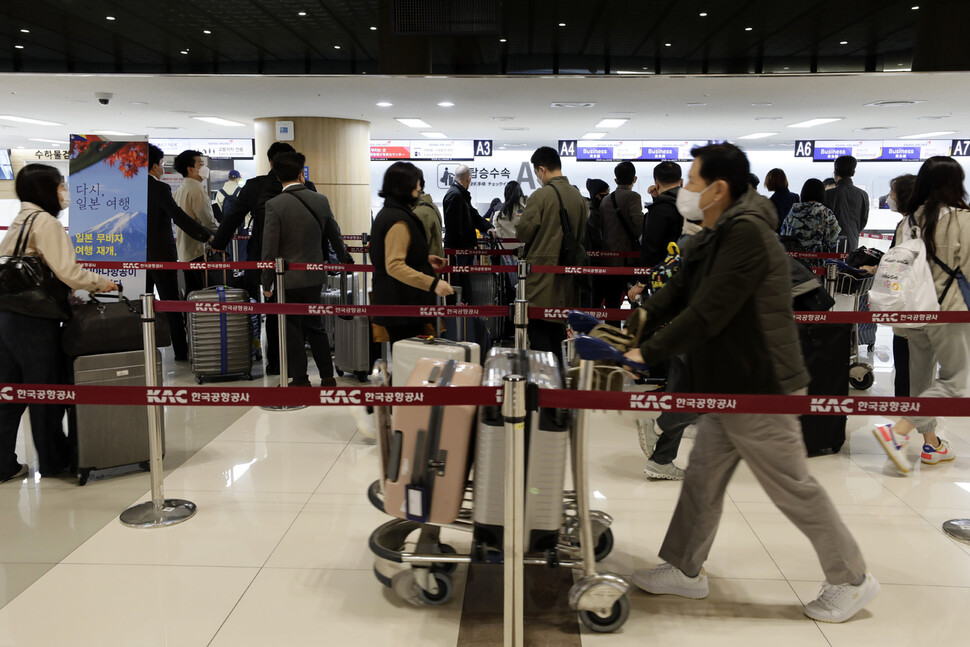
x=278, y=552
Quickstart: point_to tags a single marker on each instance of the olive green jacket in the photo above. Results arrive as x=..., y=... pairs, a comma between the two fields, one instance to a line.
x=541, y=231
x=427, y=212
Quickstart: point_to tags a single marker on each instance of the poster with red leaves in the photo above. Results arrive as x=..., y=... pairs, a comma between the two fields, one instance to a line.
x=109, y=203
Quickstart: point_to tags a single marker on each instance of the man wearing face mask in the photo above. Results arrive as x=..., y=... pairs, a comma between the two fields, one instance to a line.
x=193, y=198
x=728, y=311
x=162, y=212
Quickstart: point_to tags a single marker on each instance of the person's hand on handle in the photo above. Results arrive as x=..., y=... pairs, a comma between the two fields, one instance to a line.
x=635, y=292
x=110, y=286
x=436, y=262
x=442, y=289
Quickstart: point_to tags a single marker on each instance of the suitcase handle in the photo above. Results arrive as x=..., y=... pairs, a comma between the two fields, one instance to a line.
x=599, y=350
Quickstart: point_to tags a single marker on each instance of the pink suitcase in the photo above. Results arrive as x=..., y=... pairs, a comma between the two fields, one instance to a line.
x=429, y=451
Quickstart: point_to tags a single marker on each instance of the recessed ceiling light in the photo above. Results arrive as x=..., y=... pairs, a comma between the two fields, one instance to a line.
x=28, y=120
x=206, y=31
x=872, y=128
x=24, y=31
x=815, y=122
x=703, y=14
x=748, y=28
x=18, y=46
x=164, y=128
x=336, y=46
x=915, y=8
x=593, y=136
x=184, y=51
x=768, y=118
x=757, y=135
x=894, y=103
x=109, y=17
x=667, y=45
x=112, y=132
x=939, y=133
x=571, y=104
x=761, y=105
x=301, y=13
x=611, y=123
x=562, y=24
x=219, y=121
x=843, y=42
x=445, y=104
x=515, y=128
x=384, y=104
x=373, y=28
x=501, y=118
x=932, y=117
x=48, y=141
x=433, y=134
x=696, y=104
x=412, y=122
x=502, y=40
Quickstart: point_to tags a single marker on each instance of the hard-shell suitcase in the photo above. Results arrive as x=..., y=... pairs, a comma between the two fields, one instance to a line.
x=429, y=451
x=406, y=353
x=220, y=344
x=111, y=436
x=330, y=297
x=823, y=347
x=547, y=442
x=352, y=335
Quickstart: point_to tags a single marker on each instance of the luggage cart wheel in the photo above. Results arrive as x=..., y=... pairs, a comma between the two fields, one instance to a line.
x=444, y=591
x=618, y=615
x=604, y=545
x=860, y=376
x=448, y=567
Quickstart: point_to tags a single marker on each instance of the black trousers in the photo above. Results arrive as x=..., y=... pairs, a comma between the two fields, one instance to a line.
x=301, y=329
x=167, y=284
x=901, y=362
x=30, y=353
x=546, y=336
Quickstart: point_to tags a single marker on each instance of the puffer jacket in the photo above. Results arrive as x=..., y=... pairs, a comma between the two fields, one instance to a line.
x=729, y=307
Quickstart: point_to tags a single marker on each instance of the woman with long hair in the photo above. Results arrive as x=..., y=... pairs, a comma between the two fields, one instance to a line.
x=900, y=194
x=510, y=213
x=30, y=347
x=939, y=354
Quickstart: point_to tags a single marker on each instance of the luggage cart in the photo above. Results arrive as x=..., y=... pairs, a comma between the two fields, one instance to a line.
x=411, y=559
x=860, y=373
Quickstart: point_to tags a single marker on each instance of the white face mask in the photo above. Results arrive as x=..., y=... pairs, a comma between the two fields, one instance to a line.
x=204, y=172
x=64, y=198
x=891, y=203
x=689, y=204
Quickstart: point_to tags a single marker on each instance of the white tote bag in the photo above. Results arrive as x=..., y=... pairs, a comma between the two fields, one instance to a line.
x=904, y=282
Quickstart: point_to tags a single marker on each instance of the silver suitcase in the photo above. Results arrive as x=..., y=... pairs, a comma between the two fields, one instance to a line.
x=330, y=297
x=547, y=442
x=406, y=353
x=220, y=344
x=352, y=335
x=111, y=436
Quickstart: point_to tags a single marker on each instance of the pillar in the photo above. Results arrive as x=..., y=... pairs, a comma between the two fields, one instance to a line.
x=338, y=156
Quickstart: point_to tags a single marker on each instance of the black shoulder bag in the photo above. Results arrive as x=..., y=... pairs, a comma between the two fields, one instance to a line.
x=27, y=284
x=572, y=251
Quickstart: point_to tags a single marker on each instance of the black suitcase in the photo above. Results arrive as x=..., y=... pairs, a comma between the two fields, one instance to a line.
x=824, y=349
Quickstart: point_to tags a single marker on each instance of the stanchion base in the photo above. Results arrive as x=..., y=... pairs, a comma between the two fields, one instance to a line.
x=284, y=408
x=143, y=515
x=958, y=528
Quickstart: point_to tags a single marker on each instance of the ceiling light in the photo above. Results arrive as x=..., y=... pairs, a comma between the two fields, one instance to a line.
x=336, y=46
x=703, y=14
x=696, y=104
x=748, y=28
x=412, y=122
x=569, y=104
x=872, y=128
x=433, y=134
x=184, y=51
x=109, y=17
x=516, y=128
x=815, y=122
x=27, y=120
x=757, y=135
x=915, y=7
x=768, y=118
x=843, y=42
x=18, y=46
x=115, y=133
x=373, y=28
x=562, y=24
x=929, y=135
x=48, y=141
x=501, y=118
x=933, y=117
x=219, y=121
x=384, y=104
x=502, y=40
x=136, y=103
x=446, y=104
x=760, y=105
x=894, y=103
x=206, y=31
x=666, y=44
x=593, y=136
x=164, y=128
x=611, y=123
x=301, y=13
x=24, y=31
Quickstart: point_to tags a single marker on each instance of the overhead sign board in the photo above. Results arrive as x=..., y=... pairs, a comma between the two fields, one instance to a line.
x=637, y=150
x=214, y=148
x=450, y=150
x=874, y=151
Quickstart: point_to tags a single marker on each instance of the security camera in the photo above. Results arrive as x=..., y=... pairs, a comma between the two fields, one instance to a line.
x=104, y=98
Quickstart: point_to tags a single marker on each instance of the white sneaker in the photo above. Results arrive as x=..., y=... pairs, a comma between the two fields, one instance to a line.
x=894, y=445
x=838, y=603
x=646, y=430
x=669, y=472
x=667, y=579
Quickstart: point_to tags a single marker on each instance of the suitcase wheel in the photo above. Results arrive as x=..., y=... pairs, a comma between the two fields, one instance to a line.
x=82, y=475
x=618, y=615
x=860, y=376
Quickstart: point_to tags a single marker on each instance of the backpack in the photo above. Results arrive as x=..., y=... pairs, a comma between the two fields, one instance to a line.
x=229, y=200
x=903, y=281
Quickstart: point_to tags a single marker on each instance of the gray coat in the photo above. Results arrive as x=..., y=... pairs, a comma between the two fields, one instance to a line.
x=615, y=237
x=851, y=207
x=292, y=232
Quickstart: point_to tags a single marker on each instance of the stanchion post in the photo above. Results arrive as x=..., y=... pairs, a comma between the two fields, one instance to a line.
x=831, y=277
x=159, y=511
x=513, y=413
x=580, y=472
x=284, y=364
x=235, y=248
x=520, y=313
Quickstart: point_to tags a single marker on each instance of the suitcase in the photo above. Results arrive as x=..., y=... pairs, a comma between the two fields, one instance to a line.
x=547, y=442
x=823, y=347
x=111, y=436
x=406, y=353
x=220, y=344
x=352, y=335
x=330, y=297
x=487, y=290
x=429, y=453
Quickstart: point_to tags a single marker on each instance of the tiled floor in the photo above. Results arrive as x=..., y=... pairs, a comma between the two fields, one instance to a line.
x=278, y=551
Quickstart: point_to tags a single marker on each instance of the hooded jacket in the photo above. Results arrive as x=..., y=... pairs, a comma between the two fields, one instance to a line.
x=427, y=212
x=729, y=307
x=662, y=225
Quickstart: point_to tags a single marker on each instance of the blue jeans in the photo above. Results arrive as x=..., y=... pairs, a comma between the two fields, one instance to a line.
x=30, y=353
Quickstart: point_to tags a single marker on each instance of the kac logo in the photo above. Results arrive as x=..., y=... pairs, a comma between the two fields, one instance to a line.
x=6, y=393
x=339, y=396
x=321, y=310
x=207, y=306
x=432, y=312
x=650, y=402
x=832, y=405
x=555, y=313
x=885, y=317
x=167, y=396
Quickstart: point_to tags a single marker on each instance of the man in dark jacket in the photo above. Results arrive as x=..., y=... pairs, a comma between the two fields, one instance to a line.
x=728, y=310
x=662, y=224
x=252, y=199
x=162, y=212
x=300, y=227
x=621, y=213
x=461, y=218
x=849, y=203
